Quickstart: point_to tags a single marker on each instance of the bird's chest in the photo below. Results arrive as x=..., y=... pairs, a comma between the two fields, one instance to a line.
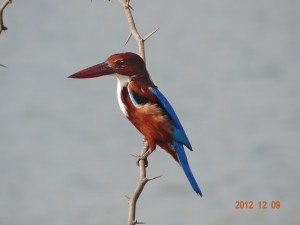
x=121, y=100
x=122, y=92
x=126, y=103
x=144, y=113
x=130, y=95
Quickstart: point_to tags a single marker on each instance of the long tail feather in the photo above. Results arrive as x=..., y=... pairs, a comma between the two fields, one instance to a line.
x=185, y=166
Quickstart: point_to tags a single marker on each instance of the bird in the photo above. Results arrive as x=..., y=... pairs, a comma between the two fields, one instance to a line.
x=145, y=107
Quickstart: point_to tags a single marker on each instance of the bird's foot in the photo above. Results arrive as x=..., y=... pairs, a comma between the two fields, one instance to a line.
x=139, y=158
x=142, y=157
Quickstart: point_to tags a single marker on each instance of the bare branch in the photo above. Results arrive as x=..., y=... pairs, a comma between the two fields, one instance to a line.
x=139, y=188
x=142, y=162
x=2, y=7
x=132, y=27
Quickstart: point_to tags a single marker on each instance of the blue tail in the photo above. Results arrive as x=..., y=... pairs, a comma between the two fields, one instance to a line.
x=185, y=166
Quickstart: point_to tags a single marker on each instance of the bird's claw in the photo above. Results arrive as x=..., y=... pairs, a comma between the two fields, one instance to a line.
x=139, y=158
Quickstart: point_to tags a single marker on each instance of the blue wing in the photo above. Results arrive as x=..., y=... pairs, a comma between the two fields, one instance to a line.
x=179, y=134
x=180, y=139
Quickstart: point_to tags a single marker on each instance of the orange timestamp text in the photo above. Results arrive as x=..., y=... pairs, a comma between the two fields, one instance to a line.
x=258, y=204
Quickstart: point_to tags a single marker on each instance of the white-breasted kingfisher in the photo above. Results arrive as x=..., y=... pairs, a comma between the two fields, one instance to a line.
x=145, y=106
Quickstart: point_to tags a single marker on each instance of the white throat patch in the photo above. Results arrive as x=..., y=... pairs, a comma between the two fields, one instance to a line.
x=122, y=82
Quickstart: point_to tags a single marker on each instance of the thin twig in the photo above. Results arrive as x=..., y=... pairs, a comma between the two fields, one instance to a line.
x=2, y=7
x=153, y=178
x=128, y=38
x=149, y=35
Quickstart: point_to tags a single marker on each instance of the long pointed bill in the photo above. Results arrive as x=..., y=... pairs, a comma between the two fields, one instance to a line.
x=93, y=71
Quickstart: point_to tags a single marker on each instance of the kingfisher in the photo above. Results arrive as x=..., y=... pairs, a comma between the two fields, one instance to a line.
x=145, y=107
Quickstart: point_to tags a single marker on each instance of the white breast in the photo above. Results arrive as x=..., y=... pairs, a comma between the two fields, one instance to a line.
x=122, y=82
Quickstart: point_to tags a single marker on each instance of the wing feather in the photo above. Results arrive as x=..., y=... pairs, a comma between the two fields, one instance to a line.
x=178, y=132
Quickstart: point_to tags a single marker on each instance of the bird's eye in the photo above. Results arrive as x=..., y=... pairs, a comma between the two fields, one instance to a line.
x=122, y=62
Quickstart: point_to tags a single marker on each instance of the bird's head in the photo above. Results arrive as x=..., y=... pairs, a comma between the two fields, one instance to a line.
x=126, y=63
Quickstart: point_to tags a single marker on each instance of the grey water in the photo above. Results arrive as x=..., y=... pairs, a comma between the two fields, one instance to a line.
x=231, y=71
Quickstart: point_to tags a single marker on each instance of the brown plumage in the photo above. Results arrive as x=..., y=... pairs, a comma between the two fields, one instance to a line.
x=149, y=118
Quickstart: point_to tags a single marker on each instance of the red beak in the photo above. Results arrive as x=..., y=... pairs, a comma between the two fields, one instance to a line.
x=93, y=71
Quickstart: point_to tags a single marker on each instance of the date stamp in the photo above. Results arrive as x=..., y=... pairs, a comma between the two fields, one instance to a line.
x=258, y=204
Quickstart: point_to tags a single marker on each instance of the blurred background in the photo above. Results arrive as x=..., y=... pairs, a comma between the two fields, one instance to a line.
x=230, y=69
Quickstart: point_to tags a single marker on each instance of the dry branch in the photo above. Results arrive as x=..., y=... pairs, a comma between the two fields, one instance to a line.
x=142, y=164
x=138, y=190
x=132, y=27
x=2, y=7
x=133, y=31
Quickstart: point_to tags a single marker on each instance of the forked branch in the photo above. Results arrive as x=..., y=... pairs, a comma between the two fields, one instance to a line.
x=132, y=27
x=133, y=30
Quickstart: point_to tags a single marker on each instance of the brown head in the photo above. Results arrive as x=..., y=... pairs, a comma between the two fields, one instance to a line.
x=126, y=63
